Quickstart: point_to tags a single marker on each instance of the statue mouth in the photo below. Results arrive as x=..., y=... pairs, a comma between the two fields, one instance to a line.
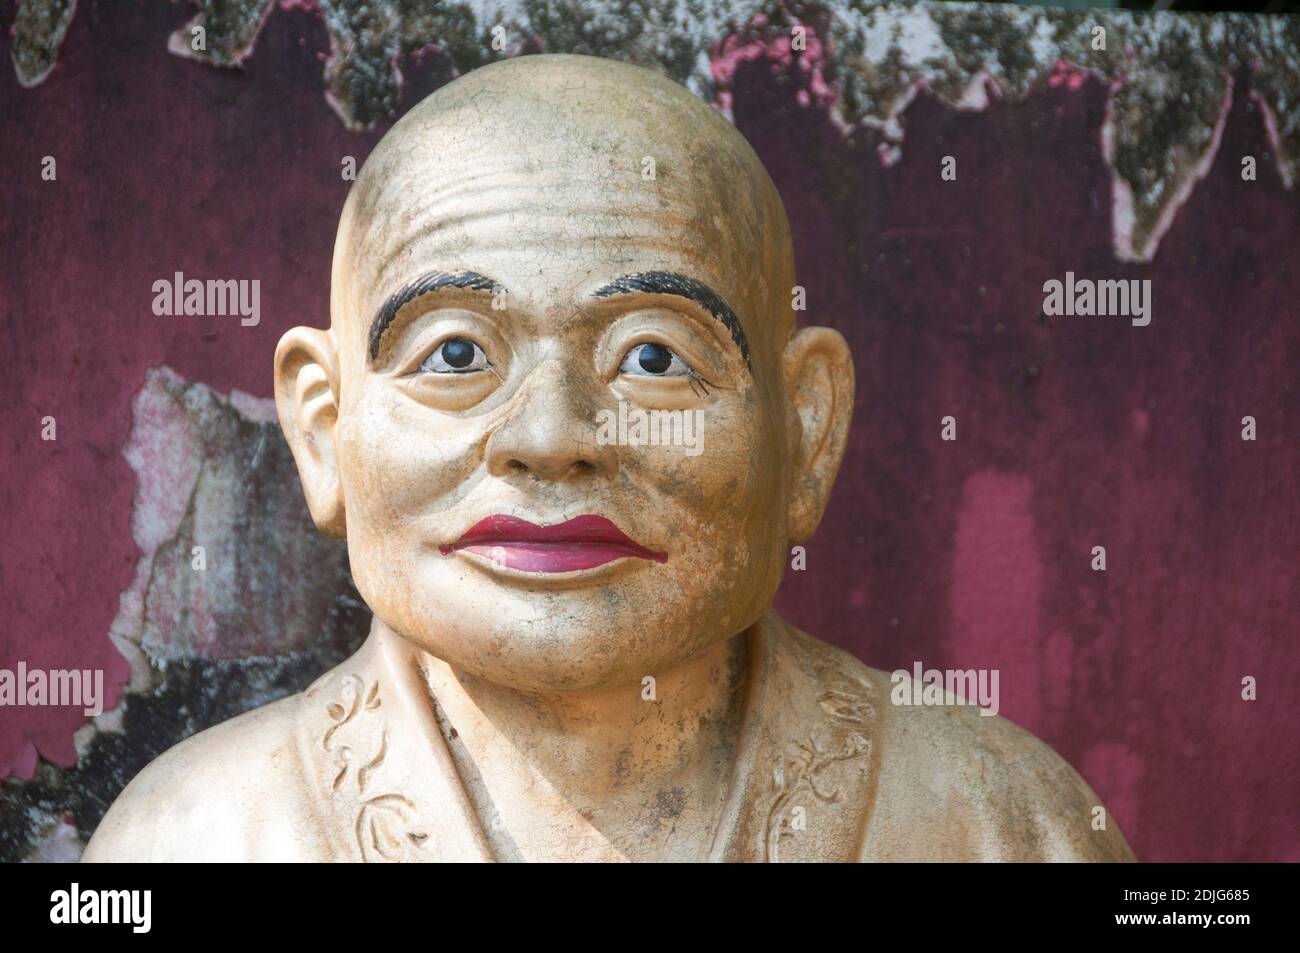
x=583, y=542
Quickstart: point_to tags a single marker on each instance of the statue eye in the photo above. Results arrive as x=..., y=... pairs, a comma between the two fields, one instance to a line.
x=456, y=356
x=653, y=360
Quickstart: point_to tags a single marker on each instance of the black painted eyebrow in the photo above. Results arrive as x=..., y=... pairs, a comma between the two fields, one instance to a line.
x=433, y=281
x=669, y=283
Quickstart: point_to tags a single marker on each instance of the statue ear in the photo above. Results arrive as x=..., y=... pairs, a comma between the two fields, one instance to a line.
x=819, y=382
x=306, y=396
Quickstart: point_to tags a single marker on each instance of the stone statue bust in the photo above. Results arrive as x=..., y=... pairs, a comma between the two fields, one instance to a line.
x=543, y=267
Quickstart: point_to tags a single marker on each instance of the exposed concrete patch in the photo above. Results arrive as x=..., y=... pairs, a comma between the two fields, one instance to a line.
x=56, y=840
x=232, y=25
x=273, y=608
x=218, y=488
x=38, y=32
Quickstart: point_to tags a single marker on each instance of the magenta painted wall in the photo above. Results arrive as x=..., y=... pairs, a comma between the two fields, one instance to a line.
x=1072, y=433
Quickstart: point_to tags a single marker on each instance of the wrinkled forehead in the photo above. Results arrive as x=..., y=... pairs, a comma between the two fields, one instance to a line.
x=551, y=191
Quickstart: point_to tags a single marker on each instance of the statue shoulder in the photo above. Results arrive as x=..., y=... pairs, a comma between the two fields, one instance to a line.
x=233, y=792
x=991, y=791
x=951, y=783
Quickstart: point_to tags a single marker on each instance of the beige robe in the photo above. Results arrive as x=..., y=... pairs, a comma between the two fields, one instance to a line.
x=356, y=768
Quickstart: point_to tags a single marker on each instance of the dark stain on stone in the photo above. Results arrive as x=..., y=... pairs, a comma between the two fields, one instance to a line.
x=670, y=804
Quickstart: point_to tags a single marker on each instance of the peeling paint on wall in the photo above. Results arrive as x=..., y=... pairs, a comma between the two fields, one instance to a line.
x=216, y=483
x=203, y=645
x=1169, y=75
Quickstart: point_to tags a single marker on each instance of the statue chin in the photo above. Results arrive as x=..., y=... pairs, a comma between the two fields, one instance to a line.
x=558, y=654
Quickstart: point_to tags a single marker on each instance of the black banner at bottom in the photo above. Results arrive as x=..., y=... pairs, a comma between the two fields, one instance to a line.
x=302, y=903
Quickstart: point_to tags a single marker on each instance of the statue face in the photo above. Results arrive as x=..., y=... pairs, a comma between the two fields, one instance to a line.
x=557, y=404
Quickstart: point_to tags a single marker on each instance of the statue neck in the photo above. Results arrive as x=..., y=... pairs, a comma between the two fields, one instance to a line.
x=601, y=756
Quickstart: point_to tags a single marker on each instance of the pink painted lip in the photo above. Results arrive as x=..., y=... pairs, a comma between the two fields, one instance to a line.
x=583, y=542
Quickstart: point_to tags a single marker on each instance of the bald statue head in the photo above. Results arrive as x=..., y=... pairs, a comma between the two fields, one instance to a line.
x=561, y=413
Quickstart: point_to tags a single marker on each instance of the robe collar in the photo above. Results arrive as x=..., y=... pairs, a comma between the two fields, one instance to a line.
x=802, y=785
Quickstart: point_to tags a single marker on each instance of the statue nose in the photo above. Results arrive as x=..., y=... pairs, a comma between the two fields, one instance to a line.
x=550, y=433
